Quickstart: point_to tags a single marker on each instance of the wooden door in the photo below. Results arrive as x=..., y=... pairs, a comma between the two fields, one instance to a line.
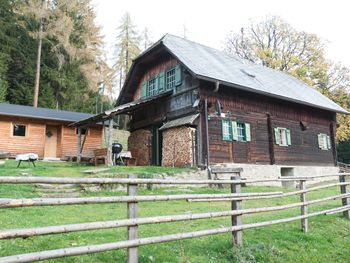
x=51, y=141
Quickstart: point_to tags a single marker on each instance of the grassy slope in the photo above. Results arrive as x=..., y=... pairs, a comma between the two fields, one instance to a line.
x=327, y=241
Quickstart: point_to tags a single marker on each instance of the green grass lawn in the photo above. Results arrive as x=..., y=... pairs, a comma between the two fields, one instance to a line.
x=328, y=239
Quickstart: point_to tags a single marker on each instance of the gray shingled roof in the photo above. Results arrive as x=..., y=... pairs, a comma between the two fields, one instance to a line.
x=41, y=113
x=211, y=64
x=180, y=122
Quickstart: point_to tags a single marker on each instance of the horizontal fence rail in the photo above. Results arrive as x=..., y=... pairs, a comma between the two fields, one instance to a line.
x=132, y=199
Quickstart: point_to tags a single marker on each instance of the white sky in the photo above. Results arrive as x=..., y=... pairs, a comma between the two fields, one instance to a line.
x=208, y=22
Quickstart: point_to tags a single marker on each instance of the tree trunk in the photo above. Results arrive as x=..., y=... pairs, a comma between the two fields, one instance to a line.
x=38, y=61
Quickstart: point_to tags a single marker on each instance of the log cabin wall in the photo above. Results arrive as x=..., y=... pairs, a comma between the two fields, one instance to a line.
x=253, y=108
x=34, y=140
x=69, y=141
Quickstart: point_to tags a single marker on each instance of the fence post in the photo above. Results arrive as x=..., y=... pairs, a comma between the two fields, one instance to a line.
x=304, y=221
x=132, y=213
x=237, y=236
x=344, y=200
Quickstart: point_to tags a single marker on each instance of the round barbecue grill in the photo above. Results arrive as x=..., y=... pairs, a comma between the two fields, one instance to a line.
x=117, y=148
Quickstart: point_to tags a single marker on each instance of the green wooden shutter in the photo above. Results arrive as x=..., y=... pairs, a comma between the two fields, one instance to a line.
x=144, y=90
x=288, y=139
x=161, y=82
x=329, y=146
x=178, y=79
x=277, y=136
x=156, y=84
x=234, y=131
x=247, y=132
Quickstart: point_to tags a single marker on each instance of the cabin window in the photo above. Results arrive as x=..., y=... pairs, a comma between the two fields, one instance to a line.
x=226, y=130
x=282, y=136
x=165, y=80
x=170, y=78
x=152, y=87
x=83, y=131
x=324, y=141
x=19, y=130
x=236, y=131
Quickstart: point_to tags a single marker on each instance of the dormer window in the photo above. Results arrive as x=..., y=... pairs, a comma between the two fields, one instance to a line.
x=165, y=80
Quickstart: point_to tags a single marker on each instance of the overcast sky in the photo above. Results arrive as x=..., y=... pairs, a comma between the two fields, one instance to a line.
x=209, y=22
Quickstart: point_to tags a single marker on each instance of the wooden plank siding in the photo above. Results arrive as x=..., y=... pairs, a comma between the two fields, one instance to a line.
x=34, y=141
x=69, y=141
x=242, y=106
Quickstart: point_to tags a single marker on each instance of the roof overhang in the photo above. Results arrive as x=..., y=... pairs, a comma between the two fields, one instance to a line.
x=122, y=109
x=187, y=120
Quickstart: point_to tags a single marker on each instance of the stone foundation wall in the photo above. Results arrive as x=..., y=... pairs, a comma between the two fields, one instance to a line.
x=181, y=138
x=138, y=146
x=257, y=171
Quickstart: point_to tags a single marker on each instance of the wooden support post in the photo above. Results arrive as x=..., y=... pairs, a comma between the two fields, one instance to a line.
x=110, y=142
x=132, y=213
x=237, y=236
x=304, y=221
x=79, y=146
x=344, y=200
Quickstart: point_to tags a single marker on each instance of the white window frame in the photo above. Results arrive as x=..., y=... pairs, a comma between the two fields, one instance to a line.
x=324, y=142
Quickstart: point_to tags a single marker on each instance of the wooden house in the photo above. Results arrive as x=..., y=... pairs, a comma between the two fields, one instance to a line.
x=25, y=129
x=190, y=104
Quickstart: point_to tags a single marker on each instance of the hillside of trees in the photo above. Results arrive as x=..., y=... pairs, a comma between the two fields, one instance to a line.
x=53, y=47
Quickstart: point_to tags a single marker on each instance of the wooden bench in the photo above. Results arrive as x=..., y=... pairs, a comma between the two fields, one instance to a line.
x=229, y=171
x=100, y=154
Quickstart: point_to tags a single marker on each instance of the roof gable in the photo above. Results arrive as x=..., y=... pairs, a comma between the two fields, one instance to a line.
x=211, y=64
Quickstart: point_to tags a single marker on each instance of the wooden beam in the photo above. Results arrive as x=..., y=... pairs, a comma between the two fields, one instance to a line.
x=270, y=137
x=79, y=145
x=85, y=135
x=110, y=142
x=75, y=251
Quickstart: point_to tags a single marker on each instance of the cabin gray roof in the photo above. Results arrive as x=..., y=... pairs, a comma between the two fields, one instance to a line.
x=41, y=113
x=213, y=65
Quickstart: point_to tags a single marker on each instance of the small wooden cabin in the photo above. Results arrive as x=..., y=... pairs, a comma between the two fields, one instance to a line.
x=192, y=105
x=26, y=129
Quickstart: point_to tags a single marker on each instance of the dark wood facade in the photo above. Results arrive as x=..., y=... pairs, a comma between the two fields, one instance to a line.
x=263, y=113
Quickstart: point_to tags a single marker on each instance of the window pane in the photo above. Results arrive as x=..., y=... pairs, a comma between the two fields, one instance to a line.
x=152, y=87
x=226, y=131
x=19, y=130
x=170, y=79
x=241, y=132
x=83, y=131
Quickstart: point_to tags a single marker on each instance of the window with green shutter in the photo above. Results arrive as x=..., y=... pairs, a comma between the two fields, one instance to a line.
x=239, y=131
x=282, y=136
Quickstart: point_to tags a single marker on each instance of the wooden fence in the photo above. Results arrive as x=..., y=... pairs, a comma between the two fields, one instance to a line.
x=133, y=221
